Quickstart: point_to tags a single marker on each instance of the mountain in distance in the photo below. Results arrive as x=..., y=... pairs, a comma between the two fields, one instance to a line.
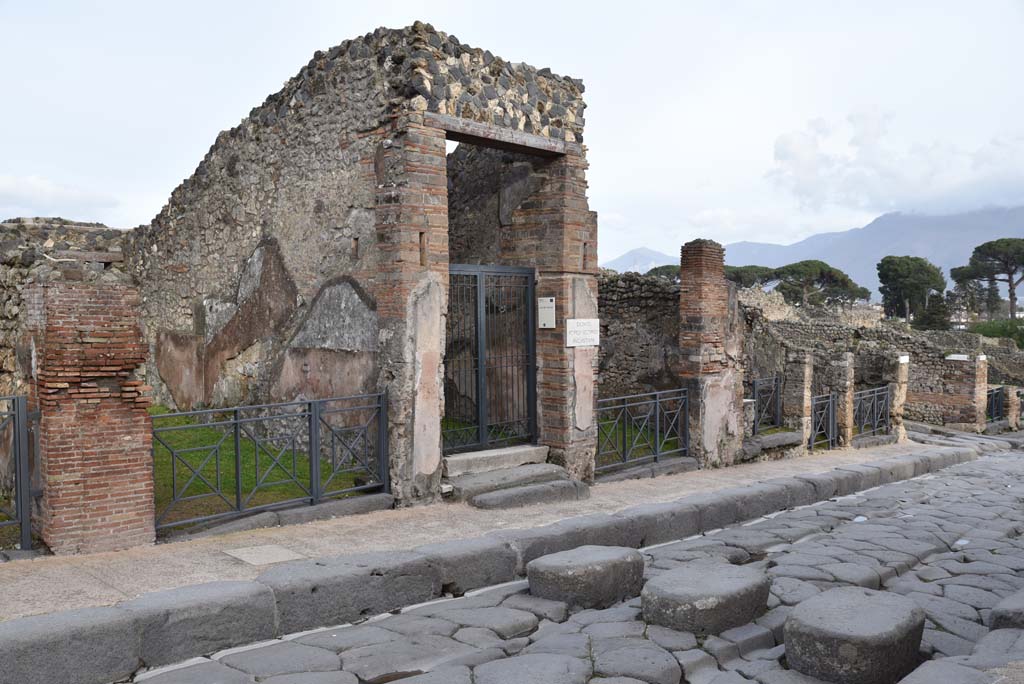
x=640, y=260
x=947, y=241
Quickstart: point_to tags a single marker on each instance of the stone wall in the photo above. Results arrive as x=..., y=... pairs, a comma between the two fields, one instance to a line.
x=35, y=248
x=639, y=333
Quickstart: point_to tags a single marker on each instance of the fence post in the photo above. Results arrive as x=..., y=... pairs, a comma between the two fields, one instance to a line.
x=238, y=459
x=314, y=451
x=23, y=491
x=382, y=442
x=657, y=427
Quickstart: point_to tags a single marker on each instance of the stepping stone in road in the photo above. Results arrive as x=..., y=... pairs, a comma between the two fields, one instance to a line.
x=705, y=597
x=588, y=576
x=853, y=635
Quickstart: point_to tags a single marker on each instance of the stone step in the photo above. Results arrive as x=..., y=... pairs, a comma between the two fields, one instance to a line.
x=465, y=487
x=494, y=459
x=545, y=492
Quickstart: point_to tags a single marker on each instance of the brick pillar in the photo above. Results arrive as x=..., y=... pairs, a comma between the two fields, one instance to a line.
x=410, y=288
x=95, y=465
x=1012, y=403
x=714, y=381
x=898, y=396
x=797, y=380
x=558, y=234
x=844, y=387
x=964, y=393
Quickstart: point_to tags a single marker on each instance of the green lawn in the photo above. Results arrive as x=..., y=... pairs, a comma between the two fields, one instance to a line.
x=263, y=481
x=610, y=436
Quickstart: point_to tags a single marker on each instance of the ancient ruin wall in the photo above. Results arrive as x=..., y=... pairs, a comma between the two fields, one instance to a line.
x=274, y=240
x=639, y=333
x=34, y=248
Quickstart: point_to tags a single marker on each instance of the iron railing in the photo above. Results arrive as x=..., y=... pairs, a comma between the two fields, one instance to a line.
x=767, y=403
x=219, y=463
x=641, y=428
x=871, y=411
x=824, y=430
x=15, y=482
x=995, y=405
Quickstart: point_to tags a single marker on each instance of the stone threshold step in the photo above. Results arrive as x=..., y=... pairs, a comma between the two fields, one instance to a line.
x=465, y=487
x=494, y=459
x=527, y=495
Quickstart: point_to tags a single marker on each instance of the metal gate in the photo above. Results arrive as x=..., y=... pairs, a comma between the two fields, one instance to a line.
x=490, y=391
x=15, y=479
x=823, y=422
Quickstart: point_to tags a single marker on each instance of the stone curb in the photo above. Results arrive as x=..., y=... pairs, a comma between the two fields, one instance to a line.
x=101, y=645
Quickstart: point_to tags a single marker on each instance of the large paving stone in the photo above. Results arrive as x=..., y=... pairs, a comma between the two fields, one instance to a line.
x=331, y=591
x=853, y=635
x=705, y=597
x=471, y=563
x=209, y=672
x=536, y=668
x=938, y=672
x=588, y=576
x=1008, y=613
x=284, y=657
x=89, y=646
x=663, y=522
x=405, y=658
x=179, y=624
x=641, y=660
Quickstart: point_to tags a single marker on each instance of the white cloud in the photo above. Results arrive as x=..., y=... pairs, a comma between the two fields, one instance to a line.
x=858, y=165
x=38, y=196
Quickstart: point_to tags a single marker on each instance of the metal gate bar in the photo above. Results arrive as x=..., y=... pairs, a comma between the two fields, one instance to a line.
x=490, y=366
x=14, y=421
x=994, y=405
x=824, y=430
x=767, y=403
x=871, y=411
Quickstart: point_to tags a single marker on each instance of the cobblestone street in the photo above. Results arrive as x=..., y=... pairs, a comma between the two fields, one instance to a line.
x=949, y=542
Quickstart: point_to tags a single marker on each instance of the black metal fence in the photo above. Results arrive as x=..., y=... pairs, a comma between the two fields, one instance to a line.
x=767, y=404
x=641, y=428
x=824, y=431
x=219, y=463
x=995, y=404
x=15, y=479
x=871, y=411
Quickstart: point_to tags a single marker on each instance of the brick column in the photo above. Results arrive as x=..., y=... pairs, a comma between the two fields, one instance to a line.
x=844, y=386
x=898, y=396
x=797, y=380
x=714, y=381
x=1012, y=403
x=410, y=288
x=95, y=465
x=557, y=234
x=963, y=394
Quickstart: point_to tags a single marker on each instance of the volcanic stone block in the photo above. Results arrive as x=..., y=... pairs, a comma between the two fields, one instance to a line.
x=588, y=576
x=469, y=564
x=853, y=635
x=1008, y=613
x=183, y=623
x=705, y=597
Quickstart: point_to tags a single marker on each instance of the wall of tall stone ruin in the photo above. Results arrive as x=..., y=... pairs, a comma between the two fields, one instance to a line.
x=275, y=238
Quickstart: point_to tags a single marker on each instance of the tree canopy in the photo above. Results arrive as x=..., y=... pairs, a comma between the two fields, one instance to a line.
x=670, y=271
x=1000, y=261
x=748, y=276
x=815, y=282
x=906, y=283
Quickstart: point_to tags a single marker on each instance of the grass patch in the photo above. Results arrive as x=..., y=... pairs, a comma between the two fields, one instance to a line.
x=207, y=452
x=612, y=432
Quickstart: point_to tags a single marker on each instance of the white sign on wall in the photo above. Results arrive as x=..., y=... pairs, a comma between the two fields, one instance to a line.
x=545, y=312
x=582, y=332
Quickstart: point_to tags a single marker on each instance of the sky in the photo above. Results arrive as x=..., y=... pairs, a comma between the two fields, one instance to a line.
x=732, y=120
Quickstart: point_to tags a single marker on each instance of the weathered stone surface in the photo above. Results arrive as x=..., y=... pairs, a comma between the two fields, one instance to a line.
x=311, y=678
x=284, y=657
x=344, y=638
x=209, y=672
x=664, y=522
x=91, y=646
x=538, y=668
x=353, y=505
x=587, y=577
x=406, y=657
x=704, y=597
x=556, y=611
x=182, y=623
x=1008, y=613
x=471, y=485
x=854, y=636
x=506, y=622
x=639, y=659
x=936, y=671
x=528, y=495
x=311, y=594
x=444, y=675
x=471, y=563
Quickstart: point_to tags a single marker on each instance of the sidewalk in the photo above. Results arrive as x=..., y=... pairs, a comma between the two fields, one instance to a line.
x=52, y=583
